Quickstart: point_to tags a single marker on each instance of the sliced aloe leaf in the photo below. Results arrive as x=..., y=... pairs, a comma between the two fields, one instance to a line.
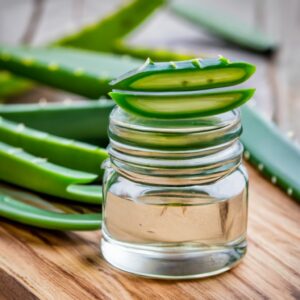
x=101, y=35
x=224, y=26
x=20, y=212
x=35, y=173
x=273, y=154
x=81, y=72
x=180, y=104
x=185, y=75
x=65, y=152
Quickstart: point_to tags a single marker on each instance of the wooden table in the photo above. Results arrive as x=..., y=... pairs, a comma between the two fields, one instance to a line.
x=39, y=264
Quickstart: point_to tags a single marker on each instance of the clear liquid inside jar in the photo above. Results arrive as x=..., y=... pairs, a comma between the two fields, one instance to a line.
x=175, y=196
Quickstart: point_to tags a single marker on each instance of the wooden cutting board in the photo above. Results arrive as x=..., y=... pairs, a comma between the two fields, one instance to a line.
x=39, y=264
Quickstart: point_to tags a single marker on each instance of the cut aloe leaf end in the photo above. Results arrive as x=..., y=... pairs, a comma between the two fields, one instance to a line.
x=192, y=74
x=39, y=175
x=181, y=104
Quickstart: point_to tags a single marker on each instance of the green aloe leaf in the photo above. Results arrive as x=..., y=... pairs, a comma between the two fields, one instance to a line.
x=36, y=173
x=102, y=35
x=62, y=118
x=271, y=152
x=15, y=210
x=81, y=72
x=61, y=151
x=160, y=55
x=224, y=26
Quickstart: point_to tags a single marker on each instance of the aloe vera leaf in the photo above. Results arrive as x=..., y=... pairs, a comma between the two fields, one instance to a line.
x=61, y=151
x=181, y=104
x=101, y=35
x=61, y=119
x=35, y=173
x=20, y=212
x=274, y=155
x=224, y=26
x=184, y=75
x=81, y=72
x=160, y=55
x=12, y=85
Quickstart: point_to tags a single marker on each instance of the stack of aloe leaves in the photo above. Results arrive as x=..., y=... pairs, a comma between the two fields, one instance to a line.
x=39, y=150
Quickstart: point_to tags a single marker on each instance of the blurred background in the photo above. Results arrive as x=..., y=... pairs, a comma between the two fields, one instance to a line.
x=38, y=22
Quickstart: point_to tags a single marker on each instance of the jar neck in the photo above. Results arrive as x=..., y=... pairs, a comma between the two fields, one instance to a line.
x=180, y=170
x=212, y=155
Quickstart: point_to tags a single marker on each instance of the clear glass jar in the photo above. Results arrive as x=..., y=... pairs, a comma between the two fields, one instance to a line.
x=175, y=196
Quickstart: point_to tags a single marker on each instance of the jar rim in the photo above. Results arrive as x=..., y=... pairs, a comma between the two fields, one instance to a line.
x=173, y=135
x=121, y=118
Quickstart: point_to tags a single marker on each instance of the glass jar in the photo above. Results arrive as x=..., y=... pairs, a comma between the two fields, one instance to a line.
x=175, y=195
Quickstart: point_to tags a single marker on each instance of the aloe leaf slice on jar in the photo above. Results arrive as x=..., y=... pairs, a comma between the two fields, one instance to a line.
x=15, y=210
x=185, y=75
x=36, y=173
x=181, y=104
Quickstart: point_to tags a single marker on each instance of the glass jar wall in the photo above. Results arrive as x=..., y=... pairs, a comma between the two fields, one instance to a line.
x=175, y=196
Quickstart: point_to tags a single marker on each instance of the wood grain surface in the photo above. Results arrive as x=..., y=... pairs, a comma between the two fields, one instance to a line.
x=39, y=264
